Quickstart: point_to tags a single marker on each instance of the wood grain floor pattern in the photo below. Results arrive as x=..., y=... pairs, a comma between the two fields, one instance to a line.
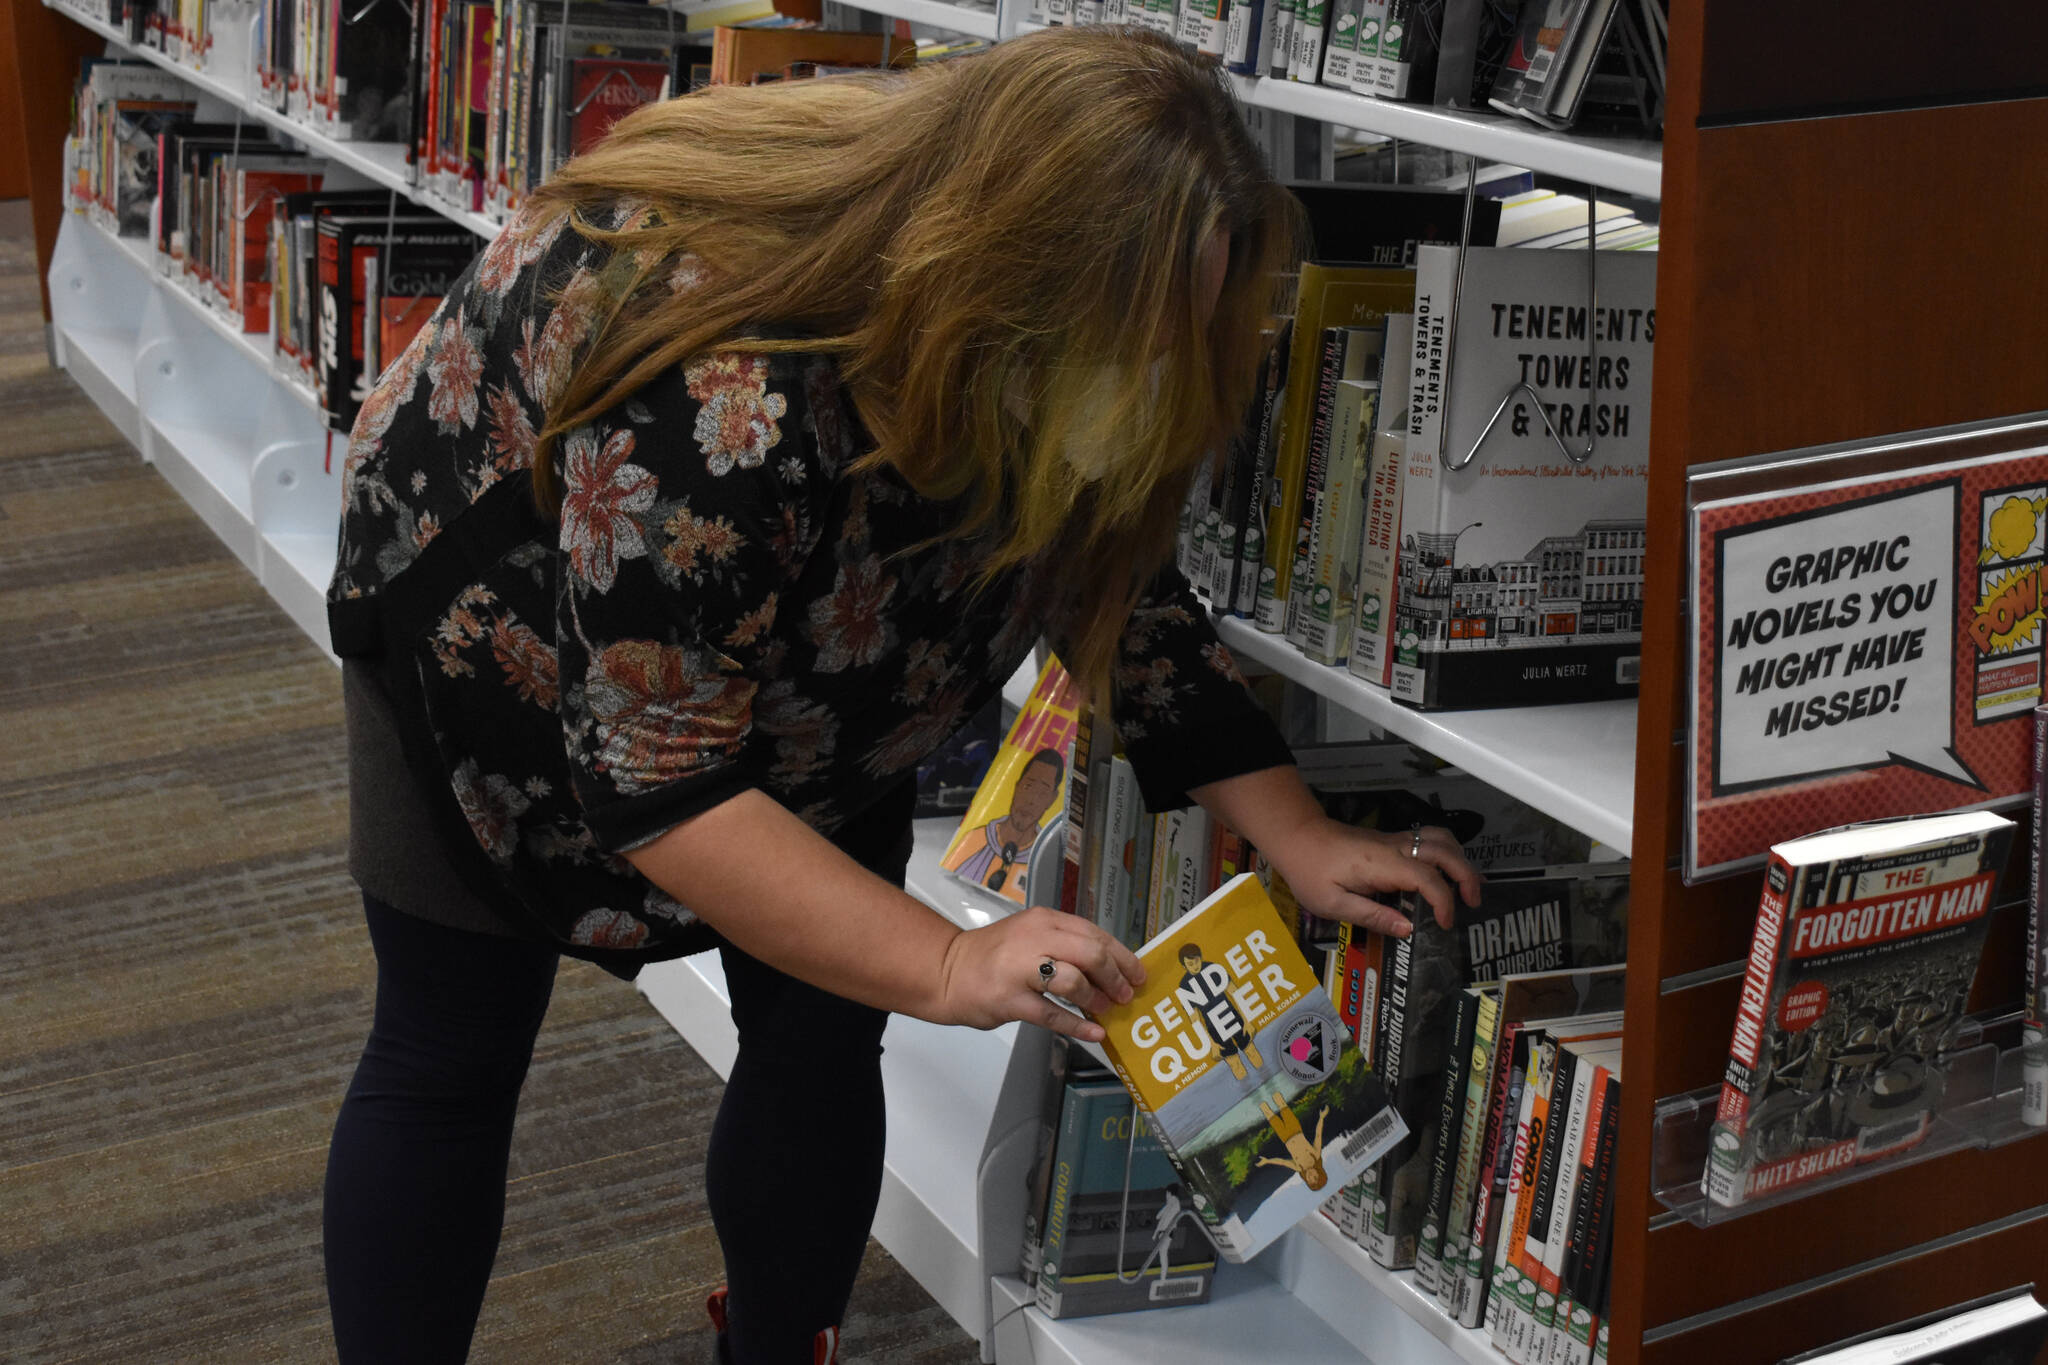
x=185, y=981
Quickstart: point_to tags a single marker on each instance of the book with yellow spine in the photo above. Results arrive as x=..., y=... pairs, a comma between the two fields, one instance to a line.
x=1256, y=1089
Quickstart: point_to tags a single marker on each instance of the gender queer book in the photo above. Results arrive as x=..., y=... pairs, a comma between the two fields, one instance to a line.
x=1867, y=940
x=1235, y=1054
x=1022, y=797
x=1520, y=572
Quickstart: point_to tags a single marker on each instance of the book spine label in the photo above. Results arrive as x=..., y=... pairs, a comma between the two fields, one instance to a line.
x=1059, y=1198
x=1327, y=617
x=1429, y=1243
x=1365, y=60
x=1315, y=475
x=1723, y=1179
x=1384, y=1246
x=1283, y=38
x=1076, y=898
x=1471, y=1136
x=1380, y=526
x=1113, y=894
x=1514, y=1212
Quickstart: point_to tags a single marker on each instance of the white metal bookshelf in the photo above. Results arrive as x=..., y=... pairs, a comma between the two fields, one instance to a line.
x=1634, y=166
x=1576, y=763
x=975, y=20
x=246, y=446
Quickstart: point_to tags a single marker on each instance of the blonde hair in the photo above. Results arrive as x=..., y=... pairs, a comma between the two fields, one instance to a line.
x=1015, y=233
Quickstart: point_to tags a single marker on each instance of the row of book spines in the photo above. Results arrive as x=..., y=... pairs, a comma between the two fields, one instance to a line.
x=1551, y=1284
x=1476, y=1252
x=1130, y=871
x=1355, y=45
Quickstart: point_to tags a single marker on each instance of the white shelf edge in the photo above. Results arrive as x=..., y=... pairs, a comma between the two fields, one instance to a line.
x=230, y=331
x=1248, y=1317
x=1397, y=1288
x=1630, y=165
x=1586, y=776
x=975, y=23
x=95, y=360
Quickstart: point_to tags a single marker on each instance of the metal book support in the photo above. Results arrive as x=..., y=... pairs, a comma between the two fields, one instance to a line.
x=1974, y=1094
x=1451, y=335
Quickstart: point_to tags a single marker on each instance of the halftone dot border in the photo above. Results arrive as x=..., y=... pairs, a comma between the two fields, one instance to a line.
x=1745, y=824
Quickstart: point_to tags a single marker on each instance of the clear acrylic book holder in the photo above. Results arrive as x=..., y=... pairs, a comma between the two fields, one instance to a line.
x=1978, y=1108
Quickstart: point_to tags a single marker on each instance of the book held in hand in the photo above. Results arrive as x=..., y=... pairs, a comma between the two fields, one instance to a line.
x=1867, y=941
x=1237, y=1057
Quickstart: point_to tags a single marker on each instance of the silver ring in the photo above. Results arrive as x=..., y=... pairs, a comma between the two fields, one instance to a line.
x=1415, y=848
x=1046, y=971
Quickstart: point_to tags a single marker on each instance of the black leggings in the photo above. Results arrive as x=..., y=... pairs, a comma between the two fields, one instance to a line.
x=415, y=1196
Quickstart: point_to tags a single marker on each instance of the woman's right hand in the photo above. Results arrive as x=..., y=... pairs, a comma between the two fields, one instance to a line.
x=990, y=976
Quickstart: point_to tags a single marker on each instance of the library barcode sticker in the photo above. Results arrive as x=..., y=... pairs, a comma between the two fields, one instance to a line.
x=1383, y=1127
x=1184, y=1287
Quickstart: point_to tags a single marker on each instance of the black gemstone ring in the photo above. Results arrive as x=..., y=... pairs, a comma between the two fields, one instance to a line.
x=1046, y=971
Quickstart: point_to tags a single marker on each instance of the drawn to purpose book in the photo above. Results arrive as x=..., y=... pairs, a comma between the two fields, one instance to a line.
x=1236, y=1055
x=1867, y=941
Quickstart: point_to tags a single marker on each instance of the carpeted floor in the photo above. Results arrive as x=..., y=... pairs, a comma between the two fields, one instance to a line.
x=185, y=980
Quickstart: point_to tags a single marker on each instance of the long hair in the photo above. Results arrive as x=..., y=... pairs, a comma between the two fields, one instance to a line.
x=1002, y=253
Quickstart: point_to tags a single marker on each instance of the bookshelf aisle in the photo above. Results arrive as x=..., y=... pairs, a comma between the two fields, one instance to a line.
x=1766, y=247
x=267, y=494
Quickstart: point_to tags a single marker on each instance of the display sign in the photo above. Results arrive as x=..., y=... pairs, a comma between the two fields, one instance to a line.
x=1867, y=639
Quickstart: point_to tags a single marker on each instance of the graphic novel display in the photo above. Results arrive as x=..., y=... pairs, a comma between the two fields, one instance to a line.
x=1867, y=639
x=1236, y=1054
x=1867, y=941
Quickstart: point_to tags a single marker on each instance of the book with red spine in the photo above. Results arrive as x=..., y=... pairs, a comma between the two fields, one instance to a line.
x=1867, y=942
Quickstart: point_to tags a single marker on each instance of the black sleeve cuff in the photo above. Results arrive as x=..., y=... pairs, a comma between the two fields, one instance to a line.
x=625, y=821
x=1169, y=766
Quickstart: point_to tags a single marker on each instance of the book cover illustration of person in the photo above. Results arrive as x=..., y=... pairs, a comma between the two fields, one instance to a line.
x=998, y=860
x=1018, y=805
x=1260, y=1095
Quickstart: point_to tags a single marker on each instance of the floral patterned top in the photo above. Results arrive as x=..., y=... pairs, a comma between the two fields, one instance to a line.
x=724, y=604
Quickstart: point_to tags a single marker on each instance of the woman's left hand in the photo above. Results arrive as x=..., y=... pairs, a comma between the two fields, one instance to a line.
x=1343, y=873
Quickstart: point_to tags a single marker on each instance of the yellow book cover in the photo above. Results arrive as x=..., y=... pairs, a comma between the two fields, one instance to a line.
x=1253, y=1083
x=1327, y=296
x=1012, y=828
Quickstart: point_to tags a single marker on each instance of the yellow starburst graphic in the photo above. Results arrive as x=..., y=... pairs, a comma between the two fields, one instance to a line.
x=2011, y=532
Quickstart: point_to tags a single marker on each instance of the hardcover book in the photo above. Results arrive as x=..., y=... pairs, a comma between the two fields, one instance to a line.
x=1235, y=1054
x=603, y=90
x=1867, y=940
x=1013, y=828
x=380, y=279
x=1520, y=570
